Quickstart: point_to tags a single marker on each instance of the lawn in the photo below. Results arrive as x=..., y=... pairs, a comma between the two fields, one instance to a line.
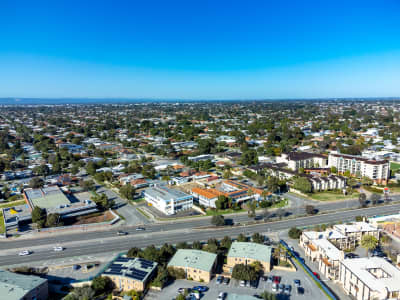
x=332, y=196
x=2, y=227
x=394, y=167
x=215, y=212
x=11, y=204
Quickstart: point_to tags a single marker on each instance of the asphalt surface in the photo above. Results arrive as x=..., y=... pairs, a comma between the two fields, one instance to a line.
x=157, y=234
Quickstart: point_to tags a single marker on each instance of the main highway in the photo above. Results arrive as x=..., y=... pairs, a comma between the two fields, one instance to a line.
x=95, y=242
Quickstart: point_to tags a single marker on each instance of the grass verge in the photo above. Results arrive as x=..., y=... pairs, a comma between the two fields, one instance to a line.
x=11, y=204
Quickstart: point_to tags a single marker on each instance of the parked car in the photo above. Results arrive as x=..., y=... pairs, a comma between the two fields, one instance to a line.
x=221, y=296
x=316, y=275
x=277, y=279
x=281, y=288
x=242, y=283
x=300, y=290
x=200, y=288
x=269, y=279
x=288, y=289
x=296, y=282
x=182, y=290
x=220, y=279
x=254, y=284
x=248, y=283
x=226, y=280
x=274, y=287
x=351, y=255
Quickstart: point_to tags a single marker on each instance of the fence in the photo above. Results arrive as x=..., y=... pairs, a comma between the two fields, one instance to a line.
x=321, y=284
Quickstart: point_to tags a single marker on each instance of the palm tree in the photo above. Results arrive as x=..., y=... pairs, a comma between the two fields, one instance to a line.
x=369, y=242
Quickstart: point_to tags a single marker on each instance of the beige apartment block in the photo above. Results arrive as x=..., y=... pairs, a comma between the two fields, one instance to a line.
x=248, y=253
x=198, y=265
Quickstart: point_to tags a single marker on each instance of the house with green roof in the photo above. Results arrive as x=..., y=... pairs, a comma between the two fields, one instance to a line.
x=197, y=265
x=247, y=253
x=22, y=287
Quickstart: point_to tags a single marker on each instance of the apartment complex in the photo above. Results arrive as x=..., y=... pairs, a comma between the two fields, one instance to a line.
x=247, y=253
x=130, y=273
x=22, y=287
x=168, y=201
x=305, y=160
x=327, y=247
x=370, y=278
x=198, y=265
x=377, y=170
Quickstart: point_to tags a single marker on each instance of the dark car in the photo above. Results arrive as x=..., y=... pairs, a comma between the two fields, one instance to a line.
x=296, y=282
x=226, y=280
x=300, y=290
x=200, y=288
x=254, y=284
x=220, y=279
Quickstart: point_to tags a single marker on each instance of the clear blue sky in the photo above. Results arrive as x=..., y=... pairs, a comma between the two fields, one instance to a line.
x=200, y=49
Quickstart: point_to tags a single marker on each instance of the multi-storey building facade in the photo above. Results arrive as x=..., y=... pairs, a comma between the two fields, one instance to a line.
x=167, y=200
x=377, y=170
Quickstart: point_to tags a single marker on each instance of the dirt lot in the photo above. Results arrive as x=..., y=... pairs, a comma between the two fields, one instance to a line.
x=92, y=218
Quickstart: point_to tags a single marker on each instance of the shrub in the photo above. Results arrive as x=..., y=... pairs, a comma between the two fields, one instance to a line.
x=295, y=233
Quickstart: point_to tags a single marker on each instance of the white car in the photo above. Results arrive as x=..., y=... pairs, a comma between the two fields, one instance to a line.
x=25, y=252
x=57, y=249
x=221, y=296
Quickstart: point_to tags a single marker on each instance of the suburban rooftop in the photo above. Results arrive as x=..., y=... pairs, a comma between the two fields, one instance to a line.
x=196, y=259
x=250, y=250
x=15, y=286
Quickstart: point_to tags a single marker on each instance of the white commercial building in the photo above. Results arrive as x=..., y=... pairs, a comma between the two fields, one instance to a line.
x=370, y=278
x=167, y=200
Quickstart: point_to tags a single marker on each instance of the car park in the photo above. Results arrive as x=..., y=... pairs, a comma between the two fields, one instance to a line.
x=25, y=252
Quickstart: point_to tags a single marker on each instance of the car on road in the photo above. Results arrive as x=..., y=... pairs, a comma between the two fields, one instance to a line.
x=226, y=280
x=122, y=233
x=58, y=249
x=296, y=282
x=25, y=252
x=140, y=228
x=200, y=288
x=288, y=289
x=220, y=279
x=221, y=296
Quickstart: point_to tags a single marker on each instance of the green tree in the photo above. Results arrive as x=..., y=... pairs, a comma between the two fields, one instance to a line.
x=268, y=296
x=362, y=198
x=244, y=272
x=369, y=242
x=294, y=233
x=102, y=284
x=36, y=183
x=127, y=191
x=218, y=220
x=39, y=216
x=222, y=202
x=102, y=201
x=257, y=238
x=302, y=184
x=310, y=209
x=53, y=220
x=374, y=198
x=242, y=238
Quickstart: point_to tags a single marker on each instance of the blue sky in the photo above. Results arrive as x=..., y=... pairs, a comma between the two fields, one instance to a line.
x=200, y=49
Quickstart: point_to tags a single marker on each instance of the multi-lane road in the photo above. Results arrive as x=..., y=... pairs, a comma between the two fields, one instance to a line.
x=86, y=243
